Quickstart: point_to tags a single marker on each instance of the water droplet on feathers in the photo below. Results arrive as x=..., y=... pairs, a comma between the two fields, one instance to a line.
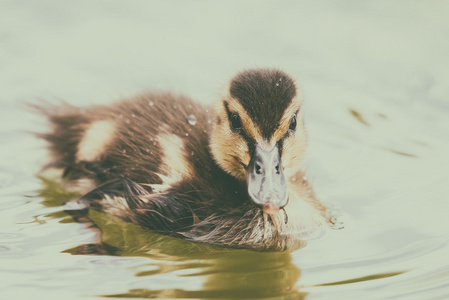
x=192, y=120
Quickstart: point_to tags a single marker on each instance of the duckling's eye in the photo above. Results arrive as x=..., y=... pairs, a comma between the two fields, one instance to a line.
x=236, y=123
x=293, y=123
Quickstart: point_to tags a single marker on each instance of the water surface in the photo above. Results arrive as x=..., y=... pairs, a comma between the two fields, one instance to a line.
x=376, y=82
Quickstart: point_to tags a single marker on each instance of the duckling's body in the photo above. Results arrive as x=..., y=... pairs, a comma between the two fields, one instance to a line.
x=175, y=166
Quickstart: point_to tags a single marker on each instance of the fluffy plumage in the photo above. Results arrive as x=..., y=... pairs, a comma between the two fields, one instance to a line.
x=178, y=167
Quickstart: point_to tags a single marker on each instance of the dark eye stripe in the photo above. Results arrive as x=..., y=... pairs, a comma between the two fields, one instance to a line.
x=288, y=133
x=234, y=119
x=236, y=123
x=292, y=123
x=249, y=141
x=239, y=161
x=295, y=119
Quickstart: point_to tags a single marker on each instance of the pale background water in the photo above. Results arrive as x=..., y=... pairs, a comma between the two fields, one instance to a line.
x=376, y=81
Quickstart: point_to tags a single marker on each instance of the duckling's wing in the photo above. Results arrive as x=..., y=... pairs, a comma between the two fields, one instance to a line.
x=133, y=154
x=132, y=202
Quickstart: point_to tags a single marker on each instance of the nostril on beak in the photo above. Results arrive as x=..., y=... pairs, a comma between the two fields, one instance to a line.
x=277, y=169
x=258, y=168
x=266, y=182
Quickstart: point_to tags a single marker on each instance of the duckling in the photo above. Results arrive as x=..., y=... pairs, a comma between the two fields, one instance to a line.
x=229, y=175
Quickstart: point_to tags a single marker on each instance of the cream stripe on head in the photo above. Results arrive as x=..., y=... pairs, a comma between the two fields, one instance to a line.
x=248, y=124
x=253, y=130
x=284, y=124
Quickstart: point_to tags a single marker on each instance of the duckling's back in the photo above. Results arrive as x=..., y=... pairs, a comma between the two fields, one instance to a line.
x=146, y=159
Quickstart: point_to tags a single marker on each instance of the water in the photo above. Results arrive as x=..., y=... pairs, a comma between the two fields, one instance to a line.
x=375, y=77
x=192, y=120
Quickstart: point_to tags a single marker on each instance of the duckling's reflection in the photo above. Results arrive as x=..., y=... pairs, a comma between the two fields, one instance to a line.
x=226, y=273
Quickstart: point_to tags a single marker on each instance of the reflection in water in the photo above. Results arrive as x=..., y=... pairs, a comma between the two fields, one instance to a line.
x=178, y=269
x=233, y=274
x=224, y=273
x=360, y=279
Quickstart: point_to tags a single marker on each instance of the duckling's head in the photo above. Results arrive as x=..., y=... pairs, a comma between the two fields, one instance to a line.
x=258, y=134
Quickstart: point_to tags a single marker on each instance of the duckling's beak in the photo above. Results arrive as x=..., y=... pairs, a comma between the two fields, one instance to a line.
x=266, y=182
